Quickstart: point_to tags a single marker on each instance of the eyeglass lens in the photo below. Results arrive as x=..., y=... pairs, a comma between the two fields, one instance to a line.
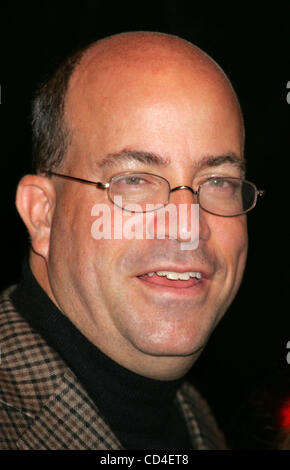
x=218, y=195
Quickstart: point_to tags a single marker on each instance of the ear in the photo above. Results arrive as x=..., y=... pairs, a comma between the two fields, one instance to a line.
x=35, y=202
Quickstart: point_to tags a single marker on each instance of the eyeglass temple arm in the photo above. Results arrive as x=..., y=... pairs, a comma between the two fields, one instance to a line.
x=99, y=184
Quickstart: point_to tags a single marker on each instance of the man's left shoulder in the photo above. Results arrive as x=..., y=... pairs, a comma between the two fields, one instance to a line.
x=202, y=425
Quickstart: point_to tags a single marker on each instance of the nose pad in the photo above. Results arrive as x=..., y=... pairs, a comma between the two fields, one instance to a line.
x=186, y=195
x=188, y=188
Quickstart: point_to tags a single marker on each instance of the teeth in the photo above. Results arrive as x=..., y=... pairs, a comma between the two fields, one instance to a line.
x=184, y=276
x=174, y=275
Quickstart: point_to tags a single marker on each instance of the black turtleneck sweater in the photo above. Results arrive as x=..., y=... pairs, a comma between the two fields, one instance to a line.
x=142, y=412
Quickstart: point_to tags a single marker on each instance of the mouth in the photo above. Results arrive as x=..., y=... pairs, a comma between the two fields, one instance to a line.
x=173, y=279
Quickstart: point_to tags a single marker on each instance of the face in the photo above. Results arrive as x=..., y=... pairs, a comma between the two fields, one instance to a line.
x=182, y=116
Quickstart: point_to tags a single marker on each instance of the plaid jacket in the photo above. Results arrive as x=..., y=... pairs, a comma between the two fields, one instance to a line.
x=44, y=406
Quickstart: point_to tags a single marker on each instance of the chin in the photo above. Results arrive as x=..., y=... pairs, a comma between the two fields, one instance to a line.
x=174, y=347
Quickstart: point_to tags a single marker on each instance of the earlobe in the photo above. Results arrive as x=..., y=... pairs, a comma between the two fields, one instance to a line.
x=35, y=201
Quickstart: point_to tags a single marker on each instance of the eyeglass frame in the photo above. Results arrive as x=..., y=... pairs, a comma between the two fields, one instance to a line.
x=101, y=185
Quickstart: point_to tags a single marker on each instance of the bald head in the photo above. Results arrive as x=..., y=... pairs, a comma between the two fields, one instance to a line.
x=142, y=49
x=119, y=62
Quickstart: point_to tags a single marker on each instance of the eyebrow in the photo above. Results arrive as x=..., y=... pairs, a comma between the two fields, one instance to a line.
x=147, y=158
x=128, y=156
x=228, y=159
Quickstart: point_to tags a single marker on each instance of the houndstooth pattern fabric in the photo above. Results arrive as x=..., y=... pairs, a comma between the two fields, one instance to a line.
x=44, y=406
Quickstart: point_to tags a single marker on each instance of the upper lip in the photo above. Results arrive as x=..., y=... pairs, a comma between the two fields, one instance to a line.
x=206, y=273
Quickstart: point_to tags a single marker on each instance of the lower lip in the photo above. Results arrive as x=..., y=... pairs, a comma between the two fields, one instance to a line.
x=176, y=287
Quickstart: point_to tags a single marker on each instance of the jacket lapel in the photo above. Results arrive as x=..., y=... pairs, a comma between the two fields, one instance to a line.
x=46, y=406
x=69, y=420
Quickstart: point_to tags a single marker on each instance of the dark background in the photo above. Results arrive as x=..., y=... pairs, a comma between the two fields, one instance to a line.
x=247, y=352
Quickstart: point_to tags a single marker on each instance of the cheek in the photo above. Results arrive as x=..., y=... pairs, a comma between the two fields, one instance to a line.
x=71, y=238
x=230, y=241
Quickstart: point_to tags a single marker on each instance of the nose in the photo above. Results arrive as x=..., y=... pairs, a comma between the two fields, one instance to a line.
x=191, y=221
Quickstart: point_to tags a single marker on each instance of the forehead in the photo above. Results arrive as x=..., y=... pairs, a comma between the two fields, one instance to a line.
x=128, y=99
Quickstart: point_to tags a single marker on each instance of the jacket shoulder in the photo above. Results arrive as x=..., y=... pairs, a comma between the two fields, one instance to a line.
x=29, y=372
x=200, y=420
x=42, y=403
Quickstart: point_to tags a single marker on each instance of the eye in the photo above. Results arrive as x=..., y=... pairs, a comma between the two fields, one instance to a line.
x=222, y=183
x=223, y=187
x=217, y=182
x=132, y=180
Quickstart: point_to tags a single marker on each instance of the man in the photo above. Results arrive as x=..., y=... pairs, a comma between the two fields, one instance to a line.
x=98, y=336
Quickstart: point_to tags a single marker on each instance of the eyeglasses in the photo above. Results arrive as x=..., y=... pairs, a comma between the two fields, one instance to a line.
x=218, y=195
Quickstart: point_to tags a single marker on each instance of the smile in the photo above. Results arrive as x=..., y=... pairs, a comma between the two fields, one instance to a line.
x=172, y=279
x=174, y=276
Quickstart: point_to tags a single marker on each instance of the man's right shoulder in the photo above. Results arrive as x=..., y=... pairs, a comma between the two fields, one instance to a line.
x=20, y=344
x=42, y=403
x=29, y=372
